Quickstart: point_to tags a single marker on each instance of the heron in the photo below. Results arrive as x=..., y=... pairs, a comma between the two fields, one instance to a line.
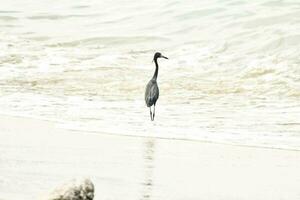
x=152, y=91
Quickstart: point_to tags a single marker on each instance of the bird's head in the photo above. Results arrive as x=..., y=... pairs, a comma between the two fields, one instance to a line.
x=159, y=55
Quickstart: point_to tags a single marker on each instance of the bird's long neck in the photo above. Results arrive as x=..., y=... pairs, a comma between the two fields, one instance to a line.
x=156, y=70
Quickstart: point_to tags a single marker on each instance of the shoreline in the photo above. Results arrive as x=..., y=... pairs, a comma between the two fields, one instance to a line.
x=36, y=156
x=90, y=132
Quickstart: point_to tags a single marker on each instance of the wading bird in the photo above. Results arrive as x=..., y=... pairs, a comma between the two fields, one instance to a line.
x=152, y=91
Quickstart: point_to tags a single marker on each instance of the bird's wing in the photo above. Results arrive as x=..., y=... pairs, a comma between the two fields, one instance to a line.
x=152, y=93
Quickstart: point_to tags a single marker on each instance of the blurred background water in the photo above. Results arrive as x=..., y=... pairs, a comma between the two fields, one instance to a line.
x=233, y=74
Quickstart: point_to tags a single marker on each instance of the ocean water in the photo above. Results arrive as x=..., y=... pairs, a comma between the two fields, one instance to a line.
x=233, y=74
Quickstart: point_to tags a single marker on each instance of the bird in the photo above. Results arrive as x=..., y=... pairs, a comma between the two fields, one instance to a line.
x=152, y=91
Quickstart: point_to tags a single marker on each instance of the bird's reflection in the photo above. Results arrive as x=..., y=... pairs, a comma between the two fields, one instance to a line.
x=147, y=184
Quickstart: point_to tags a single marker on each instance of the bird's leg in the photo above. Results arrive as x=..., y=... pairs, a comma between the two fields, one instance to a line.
x=150, y=113
x=154, y=112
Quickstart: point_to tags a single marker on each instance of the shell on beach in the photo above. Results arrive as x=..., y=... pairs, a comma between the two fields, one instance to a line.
x=77, y=189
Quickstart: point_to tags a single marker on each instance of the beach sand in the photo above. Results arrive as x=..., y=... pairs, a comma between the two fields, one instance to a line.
x=36, y=156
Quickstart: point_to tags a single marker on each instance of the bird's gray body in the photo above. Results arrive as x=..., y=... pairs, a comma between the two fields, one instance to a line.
x=152, y=93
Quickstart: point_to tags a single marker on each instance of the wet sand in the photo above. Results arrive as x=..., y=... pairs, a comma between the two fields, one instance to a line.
x=36, y=156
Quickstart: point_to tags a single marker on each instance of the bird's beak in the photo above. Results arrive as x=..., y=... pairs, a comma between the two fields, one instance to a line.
x=164, y=57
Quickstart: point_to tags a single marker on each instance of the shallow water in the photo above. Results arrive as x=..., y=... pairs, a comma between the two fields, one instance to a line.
x=233, y=72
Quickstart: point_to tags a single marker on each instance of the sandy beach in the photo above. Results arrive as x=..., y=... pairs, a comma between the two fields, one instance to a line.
x=36, y=156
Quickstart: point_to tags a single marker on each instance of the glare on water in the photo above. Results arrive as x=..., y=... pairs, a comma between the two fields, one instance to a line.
x=232, y=74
